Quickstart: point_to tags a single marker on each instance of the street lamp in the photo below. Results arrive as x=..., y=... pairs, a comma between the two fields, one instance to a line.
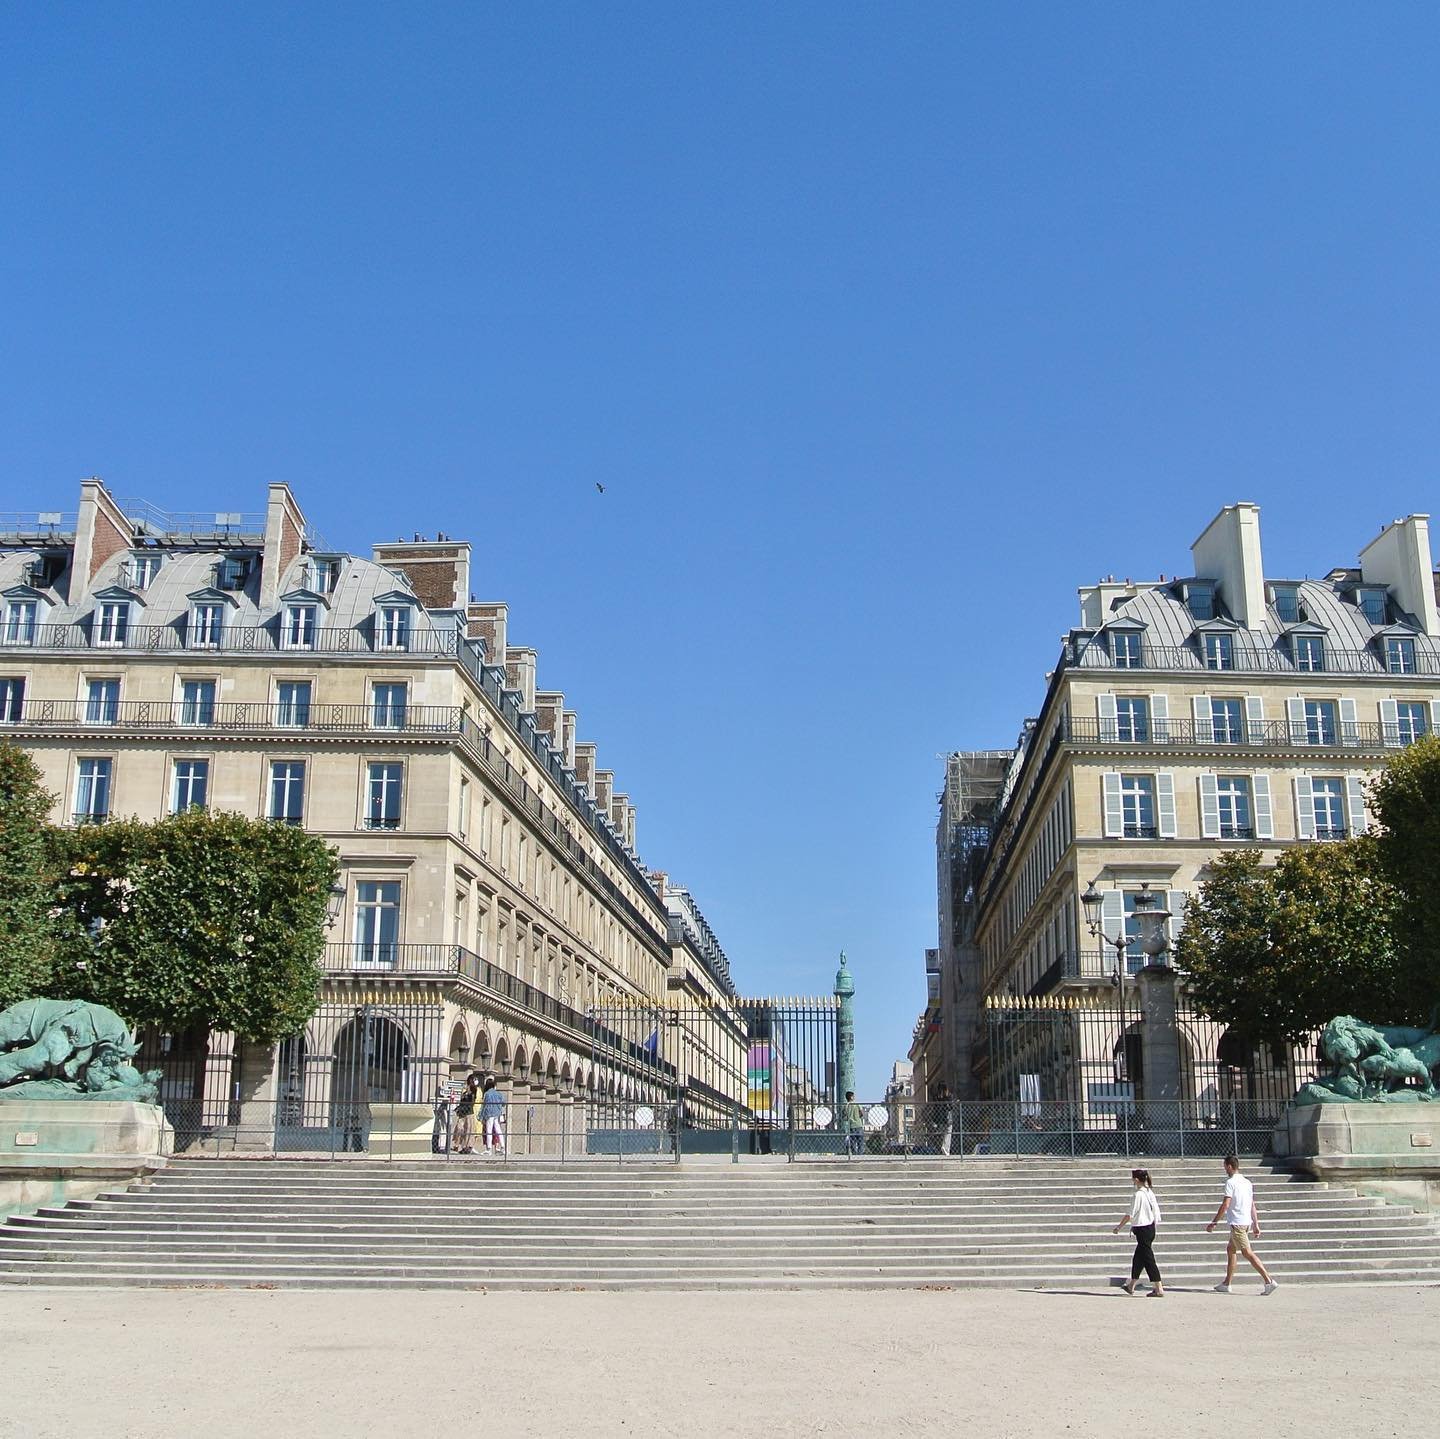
x=334, y=903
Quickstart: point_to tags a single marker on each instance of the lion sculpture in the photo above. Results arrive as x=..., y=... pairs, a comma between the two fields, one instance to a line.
x=69, y=1049
x=1375, y=1064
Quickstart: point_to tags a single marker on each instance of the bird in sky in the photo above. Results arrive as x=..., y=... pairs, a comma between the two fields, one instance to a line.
x=599, y=487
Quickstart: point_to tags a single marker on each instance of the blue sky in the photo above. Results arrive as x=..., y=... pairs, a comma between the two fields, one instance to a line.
x=883, y=326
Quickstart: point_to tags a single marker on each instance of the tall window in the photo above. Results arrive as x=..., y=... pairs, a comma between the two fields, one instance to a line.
x=12, y=701
x=1309, y=653
x=232, y=572
x=1134, y=955
x=1236, y=812
x=1329, y=796
x=20, y=618
x=287, y=791
x=92, y=790
x=1227, y=718
x=297, y=631
x=192, y=782
x=1321, y=725
x=388, y=707
x=197, y=702
x=1219, y=652
x=1137, y=801
x=377, y=922
x=395, y=627
x=292, y=703
x=1373, y=604
x=207, y=624
x=1413, y=719
x=143, y=569
x=382, y=796
x=324, y=575
x=102, y=702
x=1399, y=655
x=462, y=825
x=1126, y=649
x=1287, y=603
x=1200, y=597
x=112, y=622
x=1132, y=718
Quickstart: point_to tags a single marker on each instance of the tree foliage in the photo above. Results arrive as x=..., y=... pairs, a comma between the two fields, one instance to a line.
x=27, y=880
x=1275, y=953
x=200, y=919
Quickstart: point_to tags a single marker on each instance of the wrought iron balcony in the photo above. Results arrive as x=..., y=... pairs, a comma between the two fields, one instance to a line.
x=232, y=639
x=1260, y=734
x=1244, y=659
x=233, y=717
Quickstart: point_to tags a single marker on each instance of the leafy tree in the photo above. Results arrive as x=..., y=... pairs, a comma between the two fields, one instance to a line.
x=202, y=919
x=1406, y=799
x=27, y=882
x=1275, y=953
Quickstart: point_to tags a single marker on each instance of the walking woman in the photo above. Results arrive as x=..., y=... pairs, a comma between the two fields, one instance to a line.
x=1144, y=1215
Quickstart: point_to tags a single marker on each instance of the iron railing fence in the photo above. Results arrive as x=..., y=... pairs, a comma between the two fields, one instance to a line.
x=1189, y=733
x=270, y=638
x=1245, y=659
x=235, y=717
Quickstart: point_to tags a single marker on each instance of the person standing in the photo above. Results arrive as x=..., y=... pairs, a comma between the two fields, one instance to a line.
x=492, y=1115
x=1143, y=1217
x=943, y=1117
x=440, y=1130
x=463, y=1141
x=1242, y=1214
x=852, y=1121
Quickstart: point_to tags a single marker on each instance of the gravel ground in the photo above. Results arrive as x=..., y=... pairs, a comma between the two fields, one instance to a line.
x=278, y=1364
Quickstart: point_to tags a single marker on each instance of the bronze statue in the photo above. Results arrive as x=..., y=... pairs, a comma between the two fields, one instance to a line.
x=69, y=1049
x=1374, y=1064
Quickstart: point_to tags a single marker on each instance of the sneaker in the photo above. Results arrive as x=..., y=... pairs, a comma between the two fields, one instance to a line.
x=1222, y=1287
x=1270, y=1287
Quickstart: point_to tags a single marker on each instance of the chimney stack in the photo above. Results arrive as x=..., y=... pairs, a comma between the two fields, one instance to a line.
x=520, y=664
x=604, y=789
x=101, y=532
x=438, y=570
x=569, y=721
x=1228, y=552
x=585, y=766
x=488, y=622
x=1399, y=558
x=549, y=707
x=284, y=539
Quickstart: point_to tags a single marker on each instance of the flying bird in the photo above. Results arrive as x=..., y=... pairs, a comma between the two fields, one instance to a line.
x=599, y=487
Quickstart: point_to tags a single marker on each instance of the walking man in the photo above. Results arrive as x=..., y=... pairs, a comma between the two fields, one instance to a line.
x=1242, y=1214
x=852, y=1121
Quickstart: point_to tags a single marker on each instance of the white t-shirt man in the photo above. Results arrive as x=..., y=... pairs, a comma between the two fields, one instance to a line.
x=1240, y=1202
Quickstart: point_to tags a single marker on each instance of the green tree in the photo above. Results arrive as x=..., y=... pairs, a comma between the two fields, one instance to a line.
x=27, y=880
x=1275, y=953
x=1405, y=797
x=202, y=919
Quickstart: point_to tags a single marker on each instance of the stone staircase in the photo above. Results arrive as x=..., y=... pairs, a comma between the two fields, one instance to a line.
x=763, y=1224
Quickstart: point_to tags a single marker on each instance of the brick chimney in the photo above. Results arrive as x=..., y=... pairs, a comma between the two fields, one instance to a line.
x=488, y=622
x=284, y=537
x=520, y=666
x=101, y=533
x=1399, y=558
x=658, y=881
x=438, y=569
x=549, y=707
x=622, y=816
x=569, y=721
x=604, y=789
x=585, y=766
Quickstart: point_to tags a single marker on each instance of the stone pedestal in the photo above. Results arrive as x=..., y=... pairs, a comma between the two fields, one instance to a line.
x=1389, y=1150
x=56, y=1150
x=1160, y=1046
x=258, y=1083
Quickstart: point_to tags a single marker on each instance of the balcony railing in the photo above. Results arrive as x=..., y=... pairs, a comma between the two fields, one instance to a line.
x=232, y=639
x=1259, y=734
x=1245, y=660
x=234, y=717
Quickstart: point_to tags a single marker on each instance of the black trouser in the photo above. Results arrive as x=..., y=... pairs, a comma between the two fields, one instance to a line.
x=1144, y=1254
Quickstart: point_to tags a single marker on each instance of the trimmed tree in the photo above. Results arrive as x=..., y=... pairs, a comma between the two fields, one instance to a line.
x=203, y=919
x=1275, y=953
x=27, y=880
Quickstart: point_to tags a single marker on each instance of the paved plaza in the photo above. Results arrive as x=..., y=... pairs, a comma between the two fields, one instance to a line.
x=85, y=1364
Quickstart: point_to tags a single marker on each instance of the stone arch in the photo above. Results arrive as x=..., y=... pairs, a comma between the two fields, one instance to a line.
x=552, y=1075
x=567, y=1078
x=522, y=1062
x=480, y=1053
x=502, y=1056
x=459, y=1046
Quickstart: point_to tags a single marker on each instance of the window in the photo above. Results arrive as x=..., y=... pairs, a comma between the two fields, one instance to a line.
x=207, y=624
x=377, y=922
x=1309, y=653
x=1219, y=652
x=287, y=791
x=197, y=702
x=1373, y=604
x=1287, y=603
x=1236, y=813
x=143, y=569
x=298, y=630
x=1134, y=955
x=20, y=620
x=1320, y=722
x=292, y=706
x=1399, y=655
x=92, y=790
x=112, y=622
x=382, y=796
x=1200, y=597
x=1412, y=720
x=324, y=575
x=1126, y=649
x=1137, y=800
x=1132, y=718
x=192, y=780
x=1227, y=719
x=1329, y=799
x=102, y=702
x=462, y=826
x=232, y=572
x=395, y=627
x=388, y=706
x=12, y=701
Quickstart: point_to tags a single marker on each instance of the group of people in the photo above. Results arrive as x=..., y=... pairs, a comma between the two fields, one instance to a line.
x=1238, y=1210
x=480, y=1100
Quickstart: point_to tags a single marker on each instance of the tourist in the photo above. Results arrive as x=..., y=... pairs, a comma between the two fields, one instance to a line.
x=852, y=1121
x=492, y=1114
x=440, y=1130
x=463, y=1141
x=942, y=1116
x=1242, y=1214
x=1144, y=1215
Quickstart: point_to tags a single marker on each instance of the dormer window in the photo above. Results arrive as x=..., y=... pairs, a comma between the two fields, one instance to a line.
x=1200, y=599
x=1219, y=650
x=232, y=572
x=21, y=621
x=1309, y=652
x=143, y=569
x=394, y=627
x=112, y=622
x=1127, y=649
x=298, y=628
x=1286, y=599
x=324, y=575
x=1399, y=655
x=1374, y=604
x=207, y=625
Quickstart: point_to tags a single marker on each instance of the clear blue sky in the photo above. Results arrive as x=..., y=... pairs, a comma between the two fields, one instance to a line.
x=883, y=325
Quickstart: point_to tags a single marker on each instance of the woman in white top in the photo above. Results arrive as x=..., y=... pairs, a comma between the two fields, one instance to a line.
x=1144, y=1215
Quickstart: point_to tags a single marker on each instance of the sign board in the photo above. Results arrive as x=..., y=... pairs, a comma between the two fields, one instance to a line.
x=1111, y=1098
x=1420, y=1141
x=26, y=1138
